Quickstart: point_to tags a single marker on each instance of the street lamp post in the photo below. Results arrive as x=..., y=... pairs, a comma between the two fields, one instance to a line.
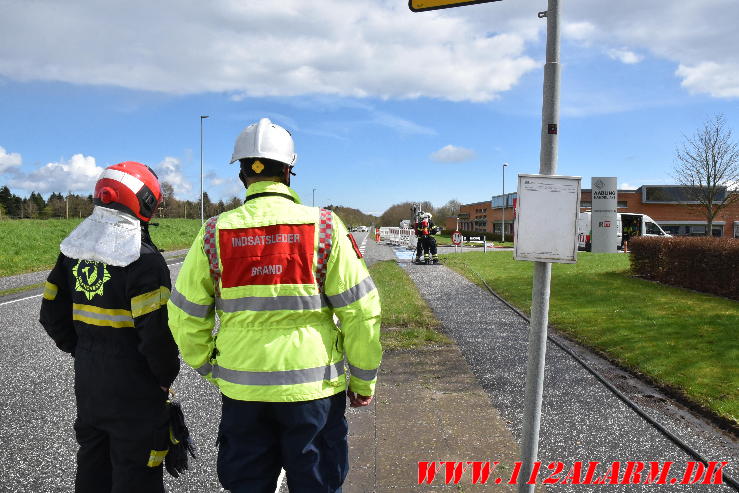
x=202, y=210
x=314, y=197
x=502, y=224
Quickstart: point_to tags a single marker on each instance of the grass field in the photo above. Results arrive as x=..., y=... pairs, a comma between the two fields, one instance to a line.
x=29, y=245
x=407, y=321
x=681, y=339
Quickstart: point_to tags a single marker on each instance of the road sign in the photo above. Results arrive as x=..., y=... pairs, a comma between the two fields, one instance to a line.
x=457, y=238
x=424, y=5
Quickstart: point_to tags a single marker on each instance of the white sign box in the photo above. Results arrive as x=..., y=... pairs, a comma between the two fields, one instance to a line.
x=546, y=218
x=604, y=219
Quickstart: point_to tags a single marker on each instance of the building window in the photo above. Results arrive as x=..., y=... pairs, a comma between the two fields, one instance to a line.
x=622, y=204
x=586, y=204
x=674, y=194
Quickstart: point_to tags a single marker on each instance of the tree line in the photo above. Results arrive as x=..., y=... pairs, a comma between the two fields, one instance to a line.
x=59, y=206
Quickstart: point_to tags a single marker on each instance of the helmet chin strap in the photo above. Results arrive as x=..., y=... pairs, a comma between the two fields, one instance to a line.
x=287, y=173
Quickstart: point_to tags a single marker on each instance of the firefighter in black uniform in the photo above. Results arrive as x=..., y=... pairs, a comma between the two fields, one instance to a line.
x=425, y=229
x=105, y=304
x=419, y=236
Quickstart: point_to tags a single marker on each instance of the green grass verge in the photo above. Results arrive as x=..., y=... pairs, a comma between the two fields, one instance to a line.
x=681, y=339
x=407, y=321
x=446, y=240
x=30, y=245
x=6, y=292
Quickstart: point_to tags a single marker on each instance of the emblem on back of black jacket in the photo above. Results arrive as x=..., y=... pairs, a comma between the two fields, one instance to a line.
x=91, y=277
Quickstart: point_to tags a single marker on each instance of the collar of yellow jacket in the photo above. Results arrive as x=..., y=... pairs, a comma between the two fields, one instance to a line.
x=271, y=187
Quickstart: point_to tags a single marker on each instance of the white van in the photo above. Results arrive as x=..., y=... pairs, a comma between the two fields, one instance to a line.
x=643, y=224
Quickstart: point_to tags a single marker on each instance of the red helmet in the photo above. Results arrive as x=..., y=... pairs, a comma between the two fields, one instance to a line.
x=131, y=187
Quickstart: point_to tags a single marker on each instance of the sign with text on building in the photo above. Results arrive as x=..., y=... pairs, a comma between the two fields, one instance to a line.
x=604, y=217
x=424, y=5
x=546, y=218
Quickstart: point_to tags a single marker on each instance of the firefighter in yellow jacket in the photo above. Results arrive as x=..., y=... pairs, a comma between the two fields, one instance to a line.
x=276, y=272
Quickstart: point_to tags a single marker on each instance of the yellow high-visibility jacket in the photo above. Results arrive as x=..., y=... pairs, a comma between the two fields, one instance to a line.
x=277, y=340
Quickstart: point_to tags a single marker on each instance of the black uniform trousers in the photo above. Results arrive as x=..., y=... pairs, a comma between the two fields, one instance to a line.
x=117, y=429
x=307, y=439
x=429, y=245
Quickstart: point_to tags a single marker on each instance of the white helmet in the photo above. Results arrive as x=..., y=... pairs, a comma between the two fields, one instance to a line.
x=265, y=140
x=427, y=215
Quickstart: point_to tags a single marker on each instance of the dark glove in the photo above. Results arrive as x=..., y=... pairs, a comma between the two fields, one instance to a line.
x=180, y=442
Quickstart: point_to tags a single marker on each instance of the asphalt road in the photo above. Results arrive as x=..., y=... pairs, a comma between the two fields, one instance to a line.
x=37, y=410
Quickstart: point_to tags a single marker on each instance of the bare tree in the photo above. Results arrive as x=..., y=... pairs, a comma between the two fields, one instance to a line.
x=707, y=164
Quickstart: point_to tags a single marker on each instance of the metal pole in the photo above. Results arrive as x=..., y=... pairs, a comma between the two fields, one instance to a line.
x=542, y=270
x=314, y=197
x=502, y=225
x=202, y=209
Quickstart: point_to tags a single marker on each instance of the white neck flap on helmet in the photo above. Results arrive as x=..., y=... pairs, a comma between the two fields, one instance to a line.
x=107, y=235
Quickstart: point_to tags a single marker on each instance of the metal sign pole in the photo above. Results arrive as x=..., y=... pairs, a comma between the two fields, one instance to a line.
x=542, y=270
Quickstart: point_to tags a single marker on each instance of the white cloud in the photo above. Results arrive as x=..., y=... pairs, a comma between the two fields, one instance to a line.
x=627, y=186
x=77, y=175
x=453, y=154
x=624, y=56
x=376, y=48
x=697, y=36
x=718, y=79
x=9, y=160
x=170, y=171
x=214, y=179
x=400, y=124
x=252, y=48
x=579, y=31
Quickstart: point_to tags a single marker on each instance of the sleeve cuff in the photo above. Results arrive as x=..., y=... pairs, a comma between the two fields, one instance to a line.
x=362, y=387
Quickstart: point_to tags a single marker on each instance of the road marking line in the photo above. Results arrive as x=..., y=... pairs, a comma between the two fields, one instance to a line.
x=21, y=299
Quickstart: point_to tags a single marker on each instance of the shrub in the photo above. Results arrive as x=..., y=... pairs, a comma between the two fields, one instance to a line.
x=706, y=264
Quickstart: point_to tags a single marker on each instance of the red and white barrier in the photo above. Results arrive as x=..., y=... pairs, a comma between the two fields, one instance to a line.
x=398, y=236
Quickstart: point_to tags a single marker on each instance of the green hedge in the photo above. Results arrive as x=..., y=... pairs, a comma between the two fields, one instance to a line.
x=706, y=264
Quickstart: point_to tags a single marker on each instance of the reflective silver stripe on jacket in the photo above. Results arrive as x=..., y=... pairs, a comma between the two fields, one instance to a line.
x=102, y=316
x=205, y=369
x=271, y=303
x=352, y=294
x=187, y=306
x=363, y=374
x=284, y=377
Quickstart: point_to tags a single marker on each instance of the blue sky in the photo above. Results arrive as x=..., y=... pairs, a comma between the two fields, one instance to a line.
x=385, y=105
